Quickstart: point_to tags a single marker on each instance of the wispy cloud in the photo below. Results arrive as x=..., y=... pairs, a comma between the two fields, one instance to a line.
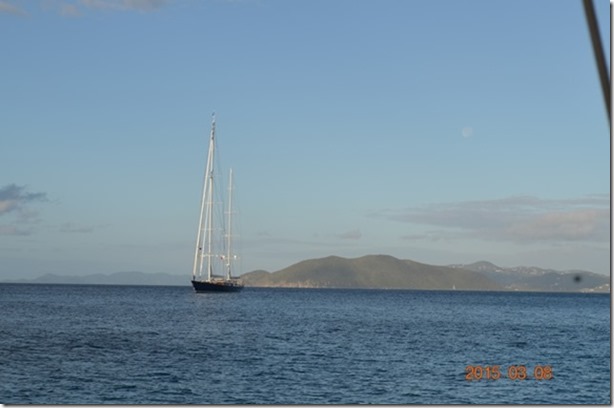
x=10, y=8
x=70, y=227
x=15, y=200
x=77, y=8
x=69, y=10
x=13, y=230
x=440, y=235
x=124, y=5
x=519, y=219
x=353, y=234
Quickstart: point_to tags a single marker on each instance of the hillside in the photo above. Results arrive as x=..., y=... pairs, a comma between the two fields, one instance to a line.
x=372, y=271
x=531, y=278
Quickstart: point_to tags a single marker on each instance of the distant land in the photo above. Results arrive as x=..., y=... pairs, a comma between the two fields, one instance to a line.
x=387, y=272
x=524, y=278
x=374, y=272
x=118, y=278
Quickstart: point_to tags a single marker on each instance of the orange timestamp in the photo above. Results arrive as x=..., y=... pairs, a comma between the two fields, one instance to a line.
x=513, y=372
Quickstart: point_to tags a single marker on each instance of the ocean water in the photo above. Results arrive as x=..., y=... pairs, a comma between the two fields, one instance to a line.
x=79, y=344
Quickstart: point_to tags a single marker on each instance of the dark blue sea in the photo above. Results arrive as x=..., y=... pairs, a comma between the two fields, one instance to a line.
x=79, y=344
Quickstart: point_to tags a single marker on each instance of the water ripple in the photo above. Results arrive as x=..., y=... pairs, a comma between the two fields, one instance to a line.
x=126, y=345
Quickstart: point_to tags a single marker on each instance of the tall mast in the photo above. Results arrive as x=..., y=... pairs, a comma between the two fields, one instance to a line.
x=229, y=232
x=204, y=225
x=209, y=217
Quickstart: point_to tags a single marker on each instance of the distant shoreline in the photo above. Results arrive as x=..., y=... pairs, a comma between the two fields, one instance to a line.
x=312, y=288
x=370, y=272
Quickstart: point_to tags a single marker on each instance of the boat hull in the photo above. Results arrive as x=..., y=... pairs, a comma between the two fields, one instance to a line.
x=216, y=286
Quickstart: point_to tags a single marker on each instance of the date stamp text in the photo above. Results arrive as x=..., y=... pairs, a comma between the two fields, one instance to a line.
x=512, y=372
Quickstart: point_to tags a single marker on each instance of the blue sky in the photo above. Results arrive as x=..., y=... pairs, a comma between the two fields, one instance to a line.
x=439, y=131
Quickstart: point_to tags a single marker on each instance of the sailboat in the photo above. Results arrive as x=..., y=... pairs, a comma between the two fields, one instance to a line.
x=213, y=257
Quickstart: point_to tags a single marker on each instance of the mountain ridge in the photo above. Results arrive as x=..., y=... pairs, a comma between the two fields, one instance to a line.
x=116, y=278
x=387, y=272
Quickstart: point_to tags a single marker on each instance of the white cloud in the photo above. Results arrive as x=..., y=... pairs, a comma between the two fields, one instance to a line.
x=574, y=225
x=519, y=219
